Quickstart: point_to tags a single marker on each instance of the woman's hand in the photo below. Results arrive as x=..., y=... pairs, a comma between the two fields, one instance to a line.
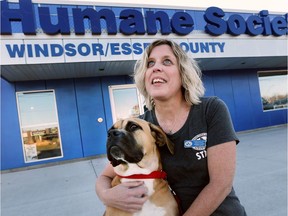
x=128, y=196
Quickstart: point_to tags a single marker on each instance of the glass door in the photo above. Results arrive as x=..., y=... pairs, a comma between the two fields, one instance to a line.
x=39, y=125
x=125, y=101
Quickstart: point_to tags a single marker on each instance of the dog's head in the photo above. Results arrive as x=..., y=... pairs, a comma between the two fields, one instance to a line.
x=133, y=140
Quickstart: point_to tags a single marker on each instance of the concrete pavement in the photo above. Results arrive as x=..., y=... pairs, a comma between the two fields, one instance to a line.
x=261, y=176
x=68, y=189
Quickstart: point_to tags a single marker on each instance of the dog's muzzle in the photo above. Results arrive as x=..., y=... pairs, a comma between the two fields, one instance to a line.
x=122, y=148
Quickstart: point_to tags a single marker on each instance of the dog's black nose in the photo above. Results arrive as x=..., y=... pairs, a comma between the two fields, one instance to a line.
x=115, y=133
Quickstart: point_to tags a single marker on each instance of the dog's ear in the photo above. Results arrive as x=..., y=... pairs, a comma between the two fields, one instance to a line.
x=161, y=138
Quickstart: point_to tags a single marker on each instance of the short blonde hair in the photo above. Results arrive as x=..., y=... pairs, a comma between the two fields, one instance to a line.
x=190, y=73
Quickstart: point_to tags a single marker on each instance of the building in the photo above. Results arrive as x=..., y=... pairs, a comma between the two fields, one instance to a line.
x=65, y=70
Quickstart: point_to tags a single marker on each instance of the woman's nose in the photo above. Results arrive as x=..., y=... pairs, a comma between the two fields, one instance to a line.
x=157, y=67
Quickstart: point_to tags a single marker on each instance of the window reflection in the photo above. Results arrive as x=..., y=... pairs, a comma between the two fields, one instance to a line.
x=273, y=88
x=39, y=125
x=125, y=101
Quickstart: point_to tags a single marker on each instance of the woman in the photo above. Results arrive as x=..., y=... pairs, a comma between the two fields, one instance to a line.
x=202, y=169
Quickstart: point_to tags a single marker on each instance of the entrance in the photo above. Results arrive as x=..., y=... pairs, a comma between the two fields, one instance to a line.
x=126, y=101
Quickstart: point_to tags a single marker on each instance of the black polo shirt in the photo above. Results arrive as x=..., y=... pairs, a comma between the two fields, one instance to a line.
x=208, y=124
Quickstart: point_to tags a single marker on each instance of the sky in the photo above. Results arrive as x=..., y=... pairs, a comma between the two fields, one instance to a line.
x=37, y=109
x=250, y=5
x=273, y=85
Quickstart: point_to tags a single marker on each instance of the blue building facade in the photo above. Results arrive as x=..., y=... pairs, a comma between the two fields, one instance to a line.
x=77, y=68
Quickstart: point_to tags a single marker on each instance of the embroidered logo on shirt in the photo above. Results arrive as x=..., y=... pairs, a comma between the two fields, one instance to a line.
x=197, y=143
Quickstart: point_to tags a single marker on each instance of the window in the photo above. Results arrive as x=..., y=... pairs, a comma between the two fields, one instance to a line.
x=39, y=125
x=125, y=101
x=273, y=88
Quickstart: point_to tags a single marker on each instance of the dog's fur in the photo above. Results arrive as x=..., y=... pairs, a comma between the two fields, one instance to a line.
x=132, y=149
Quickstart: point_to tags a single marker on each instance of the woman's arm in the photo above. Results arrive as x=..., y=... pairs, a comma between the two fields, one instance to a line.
x=128, y=196
x=221, y=166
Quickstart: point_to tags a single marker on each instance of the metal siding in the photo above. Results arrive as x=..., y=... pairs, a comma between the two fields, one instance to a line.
x=278, y=117
x=11, y=144
x=129, y=80
x=68, y=118
x=208, y=83
x=81, y=105
x=224, y=90
x=240, y=91
x=243, y=107
x=90, y=108
x=30, y=86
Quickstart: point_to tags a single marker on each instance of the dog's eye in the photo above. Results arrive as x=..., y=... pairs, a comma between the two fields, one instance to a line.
x=133, y=127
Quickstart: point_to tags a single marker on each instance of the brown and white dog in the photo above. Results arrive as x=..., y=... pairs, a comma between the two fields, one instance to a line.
x=133, y=152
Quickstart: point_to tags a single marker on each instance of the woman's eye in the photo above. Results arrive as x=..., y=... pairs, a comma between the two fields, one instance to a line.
x=150, y=64
x=167, y=62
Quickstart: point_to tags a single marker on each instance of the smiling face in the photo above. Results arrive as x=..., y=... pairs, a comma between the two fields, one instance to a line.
x=162, y=78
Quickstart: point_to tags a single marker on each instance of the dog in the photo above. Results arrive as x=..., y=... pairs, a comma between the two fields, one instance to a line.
x=132, y=149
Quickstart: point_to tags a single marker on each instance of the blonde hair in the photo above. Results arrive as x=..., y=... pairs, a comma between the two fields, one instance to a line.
x=190, y=73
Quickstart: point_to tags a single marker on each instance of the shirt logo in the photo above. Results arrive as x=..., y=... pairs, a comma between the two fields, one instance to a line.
x=197, y=143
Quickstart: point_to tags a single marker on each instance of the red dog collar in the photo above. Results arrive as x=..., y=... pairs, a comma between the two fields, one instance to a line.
x=153, y=175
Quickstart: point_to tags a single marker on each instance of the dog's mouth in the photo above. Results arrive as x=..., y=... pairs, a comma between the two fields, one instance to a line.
x=117, y=155
x=122, y=148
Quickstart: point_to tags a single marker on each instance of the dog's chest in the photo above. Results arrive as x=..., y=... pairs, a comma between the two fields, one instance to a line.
x=149, y=183
x=151, y=209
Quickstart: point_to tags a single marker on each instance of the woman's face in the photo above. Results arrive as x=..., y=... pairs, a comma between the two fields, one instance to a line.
x=162, y=78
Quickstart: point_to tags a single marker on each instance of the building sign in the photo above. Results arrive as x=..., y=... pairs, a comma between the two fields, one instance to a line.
x=236, y=24
x=136, y=22
x=43, y=51
x=61, y=33
x=91, y=48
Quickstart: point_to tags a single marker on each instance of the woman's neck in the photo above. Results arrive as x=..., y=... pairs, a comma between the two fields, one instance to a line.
x=171, y=106
x=171, y=115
